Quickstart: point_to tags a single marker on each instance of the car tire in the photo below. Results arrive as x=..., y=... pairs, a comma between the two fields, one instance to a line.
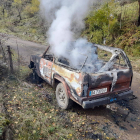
x=36, y=78
x=62, y=98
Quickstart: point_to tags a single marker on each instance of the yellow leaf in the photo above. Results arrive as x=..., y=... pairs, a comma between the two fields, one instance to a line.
x=70, y=135
x=9, y=110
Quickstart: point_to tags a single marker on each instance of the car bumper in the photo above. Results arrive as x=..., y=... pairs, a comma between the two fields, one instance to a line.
x=106, y=100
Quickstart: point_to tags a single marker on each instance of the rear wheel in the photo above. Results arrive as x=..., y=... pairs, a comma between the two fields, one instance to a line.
x=63, y=100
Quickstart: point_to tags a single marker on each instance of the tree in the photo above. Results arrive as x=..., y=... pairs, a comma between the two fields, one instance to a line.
x=127, y=1
x=5, y=5
x=33, y=7
x=138, y=11
x=18, y=4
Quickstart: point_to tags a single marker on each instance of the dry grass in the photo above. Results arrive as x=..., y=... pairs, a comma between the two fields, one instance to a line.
x=32, y=112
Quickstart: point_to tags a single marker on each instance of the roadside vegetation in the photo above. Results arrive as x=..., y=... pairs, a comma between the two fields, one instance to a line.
x=21, y=18
x=113, y=24
x=28, y=111
x=116, y=25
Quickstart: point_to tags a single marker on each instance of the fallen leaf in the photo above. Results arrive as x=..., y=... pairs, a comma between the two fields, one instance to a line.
x=70, y=135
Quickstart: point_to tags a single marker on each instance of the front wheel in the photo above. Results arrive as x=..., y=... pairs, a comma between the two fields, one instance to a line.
x=36, y=78
x=63, y=100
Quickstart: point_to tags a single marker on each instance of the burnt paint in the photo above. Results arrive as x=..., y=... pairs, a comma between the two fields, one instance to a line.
x=95, y=81
x=36, y=60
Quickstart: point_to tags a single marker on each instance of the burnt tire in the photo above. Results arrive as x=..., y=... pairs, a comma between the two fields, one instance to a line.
x=63, y=100
x=36, y=78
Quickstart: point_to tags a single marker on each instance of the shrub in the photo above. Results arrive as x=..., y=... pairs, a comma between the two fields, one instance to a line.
x=103, y=21
x=129, y=39
x=33, y=8
x=96, y=37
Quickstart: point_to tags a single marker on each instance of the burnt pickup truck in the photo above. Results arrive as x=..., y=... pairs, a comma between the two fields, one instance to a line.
x=109, y=84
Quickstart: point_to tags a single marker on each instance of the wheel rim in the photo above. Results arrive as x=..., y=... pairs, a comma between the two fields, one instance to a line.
x=61, y=96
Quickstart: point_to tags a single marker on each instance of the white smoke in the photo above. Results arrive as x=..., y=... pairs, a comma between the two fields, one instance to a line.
x=66, y=20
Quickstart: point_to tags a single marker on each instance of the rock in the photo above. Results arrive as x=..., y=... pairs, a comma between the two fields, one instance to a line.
x=112, y=107
x=40, y=85
x=123, y=128
x=90, y=135
x=27, y=85
x=94, y=123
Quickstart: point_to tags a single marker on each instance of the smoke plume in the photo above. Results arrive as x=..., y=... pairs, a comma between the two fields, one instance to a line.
x=65, y=19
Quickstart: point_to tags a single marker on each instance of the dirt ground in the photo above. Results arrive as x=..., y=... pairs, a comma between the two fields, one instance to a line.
x=120, y=120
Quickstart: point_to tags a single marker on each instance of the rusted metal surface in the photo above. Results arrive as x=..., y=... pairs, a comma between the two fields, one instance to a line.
x=78, y=84
x=46, y=69
x=72, y=78
x=45, y=51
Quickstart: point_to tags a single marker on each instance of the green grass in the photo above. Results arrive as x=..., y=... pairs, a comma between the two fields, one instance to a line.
x=31, y=115
x=27, y=29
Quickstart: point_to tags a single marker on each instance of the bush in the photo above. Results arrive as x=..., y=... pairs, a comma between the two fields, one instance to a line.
x=96, y=37
x=33, y=8
x=103, y=23
x=129, y=39
x=136, y=50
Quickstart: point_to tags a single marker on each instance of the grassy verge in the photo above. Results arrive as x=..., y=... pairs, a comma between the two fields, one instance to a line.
x=27, y=29
x=31, y=112
x=33, y=29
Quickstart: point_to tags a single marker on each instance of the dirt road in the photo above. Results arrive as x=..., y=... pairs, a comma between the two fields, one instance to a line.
x=26, y=48
x=120, y=121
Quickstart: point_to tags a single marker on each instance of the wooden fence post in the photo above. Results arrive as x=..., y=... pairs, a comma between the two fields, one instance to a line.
x=18, y=58
x=3, y=53
x=10, y=60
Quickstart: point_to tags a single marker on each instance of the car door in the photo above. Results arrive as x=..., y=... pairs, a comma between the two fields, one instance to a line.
x=46, y=68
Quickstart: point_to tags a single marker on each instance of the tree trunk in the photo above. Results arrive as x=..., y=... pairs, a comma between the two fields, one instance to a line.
x=3, y=53
x=139, y=14
x=3, y=11
x=10, y=60
x=19, y=15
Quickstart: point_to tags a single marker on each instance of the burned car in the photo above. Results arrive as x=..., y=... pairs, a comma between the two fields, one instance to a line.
x=107, y=84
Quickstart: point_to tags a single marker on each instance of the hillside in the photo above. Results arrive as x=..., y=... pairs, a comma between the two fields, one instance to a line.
x=28, y=110
x=111, y=23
